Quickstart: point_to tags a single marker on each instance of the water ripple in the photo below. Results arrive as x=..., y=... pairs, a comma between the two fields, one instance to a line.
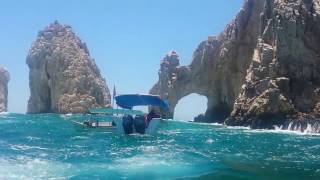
x=50, y=146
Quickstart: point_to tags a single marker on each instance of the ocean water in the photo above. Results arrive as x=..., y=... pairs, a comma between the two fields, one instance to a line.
x=50, y=146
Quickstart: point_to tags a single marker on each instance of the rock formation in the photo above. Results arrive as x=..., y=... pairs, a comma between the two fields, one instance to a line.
x=218, y=66
x=263, y=70
x=4, y=79
x=63, y=77
x=283, y=80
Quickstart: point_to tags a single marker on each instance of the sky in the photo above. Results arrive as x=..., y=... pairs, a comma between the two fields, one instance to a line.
x=127, y=38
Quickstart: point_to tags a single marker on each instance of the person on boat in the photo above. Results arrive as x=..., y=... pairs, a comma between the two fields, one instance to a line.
x=152, y=114
x=92, y=122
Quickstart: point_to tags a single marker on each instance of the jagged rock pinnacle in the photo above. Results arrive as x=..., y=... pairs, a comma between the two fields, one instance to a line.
x=63, y=76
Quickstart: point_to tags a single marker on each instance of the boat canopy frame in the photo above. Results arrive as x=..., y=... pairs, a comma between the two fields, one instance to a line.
x=114, y=111
x=128, y=101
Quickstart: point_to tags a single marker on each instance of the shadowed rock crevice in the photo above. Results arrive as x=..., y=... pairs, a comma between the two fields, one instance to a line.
x=63, y=77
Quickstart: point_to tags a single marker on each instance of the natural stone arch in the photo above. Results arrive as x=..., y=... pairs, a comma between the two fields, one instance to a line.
x=264, y=67
x=194, y=103
x=216, y=110
x=176, y=82
x=218, y=67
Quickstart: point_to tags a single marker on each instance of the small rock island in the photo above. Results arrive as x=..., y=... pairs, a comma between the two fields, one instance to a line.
x=4, y=79
x=262, y=71
x=63, y=77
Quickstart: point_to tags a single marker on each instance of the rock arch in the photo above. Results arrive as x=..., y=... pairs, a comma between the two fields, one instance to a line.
x=191, y=106
x=218, y=68
x=261, y=71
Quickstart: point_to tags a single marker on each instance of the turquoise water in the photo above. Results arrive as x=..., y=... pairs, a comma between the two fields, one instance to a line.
x=50, y=146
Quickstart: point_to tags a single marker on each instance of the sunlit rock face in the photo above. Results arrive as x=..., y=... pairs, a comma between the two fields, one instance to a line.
x=63, y=77
x=283, y=80
x=261, y=71
x=4, y=79
x=167, y=76
x=218, y=66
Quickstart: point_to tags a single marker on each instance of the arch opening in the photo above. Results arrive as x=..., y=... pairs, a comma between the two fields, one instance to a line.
x=190, y=106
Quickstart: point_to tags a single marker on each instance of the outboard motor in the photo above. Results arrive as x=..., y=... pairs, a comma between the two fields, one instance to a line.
x=127, y=123
x=139, y=124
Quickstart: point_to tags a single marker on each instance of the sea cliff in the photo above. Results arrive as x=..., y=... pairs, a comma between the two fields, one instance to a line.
x=261, y=71
x=63, y=77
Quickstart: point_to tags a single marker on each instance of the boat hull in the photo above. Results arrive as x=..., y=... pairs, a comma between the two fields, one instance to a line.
x=151, y=129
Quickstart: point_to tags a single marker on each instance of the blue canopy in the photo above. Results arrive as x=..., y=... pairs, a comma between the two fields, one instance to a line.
x=130, y=100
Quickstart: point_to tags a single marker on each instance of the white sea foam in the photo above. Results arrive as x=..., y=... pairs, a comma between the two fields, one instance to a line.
x=177, y=120
x=310, y=130
x=149, y=149
x=238, y=127
x=20, y=147
x=172, y=132
x=297, y=129
x=4, y=113
x=79, y=137
x=66, y=116
x=209, y=141
x=216, y=124
x=282, y=131
x=140, y=162
x=27, y=168
x=292, y=129
x=31, y=138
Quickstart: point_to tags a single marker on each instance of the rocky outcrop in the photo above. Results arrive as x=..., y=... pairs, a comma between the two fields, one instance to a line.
x=283, y=81
x=167, y=76
x=4, y=79
x=262, y=71
x=218, y=66
x=63, y=77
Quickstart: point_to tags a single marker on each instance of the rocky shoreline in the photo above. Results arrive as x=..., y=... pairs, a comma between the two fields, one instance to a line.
x=262, y=71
